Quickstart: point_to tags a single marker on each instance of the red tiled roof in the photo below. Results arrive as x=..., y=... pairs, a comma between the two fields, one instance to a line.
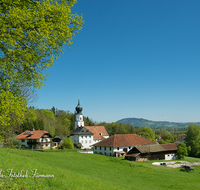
x=98, y=131
x=32, y=134
x=120, y=140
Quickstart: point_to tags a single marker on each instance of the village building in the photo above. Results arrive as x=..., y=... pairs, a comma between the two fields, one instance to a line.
x=119, y=144
x=86, y=135
x=99, y=133
x=36, y=139
x=152, y=152
x=57, y=140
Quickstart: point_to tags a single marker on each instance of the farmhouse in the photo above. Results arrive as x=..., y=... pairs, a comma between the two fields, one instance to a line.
x=58, y=140
x=86, y=135
x=119, y=144
x=152, y=152
x=36, y=139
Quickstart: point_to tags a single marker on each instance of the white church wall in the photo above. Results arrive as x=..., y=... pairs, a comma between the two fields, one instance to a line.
x=86, y=141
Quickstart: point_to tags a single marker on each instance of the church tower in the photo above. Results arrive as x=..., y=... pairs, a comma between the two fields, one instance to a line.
x=79, y=116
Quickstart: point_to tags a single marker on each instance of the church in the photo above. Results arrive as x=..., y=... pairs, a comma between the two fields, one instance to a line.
x=86, y=135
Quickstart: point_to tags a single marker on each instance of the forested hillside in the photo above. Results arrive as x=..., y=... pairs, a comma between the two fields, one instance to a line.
x=140, y=122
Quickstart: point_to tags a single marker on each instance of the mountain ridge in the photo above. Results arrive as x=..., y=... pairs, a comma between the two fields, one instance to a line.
x=140, y=122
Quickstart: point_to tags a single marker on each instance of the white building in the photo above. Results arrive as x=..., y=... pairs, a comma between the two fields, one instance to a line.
x=36, y=139
x=86, y=135
x=119, y=144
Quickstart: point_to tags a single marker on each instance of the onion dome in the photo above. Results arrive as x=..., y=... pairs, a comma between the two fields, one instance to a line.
x=79, y=108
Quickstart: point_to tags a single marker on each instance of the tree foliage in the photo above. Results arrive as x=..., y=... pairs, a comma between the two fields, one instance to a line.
x=67, y=144
x=12, y=110
x=33, y=34
x=12, y=142
x=182, y=150
x=193, y=139
x=147, y=133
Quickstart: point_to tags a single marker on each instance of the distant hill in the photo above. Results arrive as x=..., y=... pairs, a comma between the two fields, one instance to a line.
x=140, y=122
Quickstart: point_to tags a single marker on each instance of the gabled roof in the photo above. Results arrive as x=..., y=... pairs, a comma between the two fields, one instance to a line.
x=36, y=134
x=98, y=131
x=153, y=148
x=120, y=140
x=60, y=137
x=81, y=131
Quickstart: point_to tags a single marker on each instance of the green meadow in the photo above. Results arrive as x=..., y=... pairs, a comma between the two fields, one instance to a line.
x=73, y=170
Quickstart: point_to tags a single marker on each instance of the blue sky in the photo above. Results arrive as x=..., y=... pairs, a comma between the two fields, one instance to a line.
x=131, y=59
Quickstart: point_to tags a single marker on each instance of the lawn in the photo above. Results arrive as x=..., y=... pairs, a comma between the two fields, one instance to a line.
x=73, y=170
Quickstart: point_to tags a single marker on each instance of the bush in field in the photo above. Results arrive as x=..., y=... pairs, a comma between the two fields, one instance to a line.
x=78, y=145
x=12, y=142
x=67, y=144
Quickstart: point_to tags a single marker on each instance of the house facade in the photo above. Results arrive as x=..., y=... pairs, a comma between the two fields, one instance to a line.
x=36, y=139
x=57, y=140
x=119, y=144
x=86, y=135
x=152, y=152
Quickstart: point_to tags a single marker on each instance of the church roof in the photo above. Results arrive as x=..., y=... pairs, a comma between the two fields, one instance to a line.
x=79, y=108
x=99, y=131
x=81, y=131
x=120, y=140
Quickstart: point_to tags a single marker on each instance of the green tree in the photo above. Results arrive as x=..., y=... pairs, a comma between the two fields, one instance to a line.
x=32, y=34
x=182, y=150
x=193, y=139
x=12, y=110
x=166, y=136
x=53, y=110
x=12, y=142
x=67, y=143
x=147, y=133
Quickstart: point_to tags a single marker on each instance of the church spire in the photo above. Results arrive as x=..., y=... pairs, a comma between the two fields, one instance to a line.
x=78, y=107
x=79, y=116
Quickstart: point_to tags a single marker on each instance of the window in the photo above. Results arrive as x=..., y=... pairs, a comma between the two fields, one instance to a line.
x=90, y=136
x=82, y=136
x=85, y=141
x=104, y=148
x=82, y=142
x=110, y=148
x=85, y=136
x=117, y=148
x=23, y=140
x=95, y=147
x=90, y=141
x=100, y=147
x=129, y=147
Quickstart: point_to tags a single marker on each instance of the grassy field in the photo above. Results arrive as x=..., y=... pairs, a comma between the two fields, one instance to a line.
x=73, y=170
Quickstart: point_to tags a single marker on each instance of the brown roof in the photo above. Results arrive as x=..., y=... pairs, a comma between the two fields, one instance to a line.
x=120, y=140
x=171, y=146
x=151, y=149
x=154, y=148
x=132, y=155
x=98, y=131
x=36, y=134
